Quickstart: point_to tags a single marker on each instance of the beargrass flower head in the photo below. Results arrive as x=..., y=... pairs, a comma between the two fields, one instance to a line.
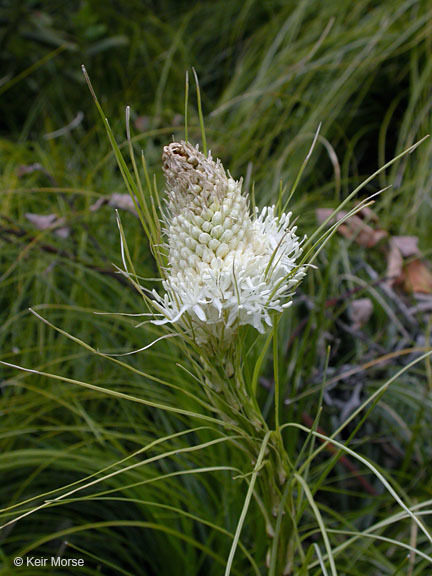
x=226, y=266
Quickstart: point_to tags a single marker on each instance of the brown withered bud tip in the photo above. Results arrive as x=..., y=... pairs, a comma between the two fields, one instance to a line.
x=189, y=174
x=180, y=158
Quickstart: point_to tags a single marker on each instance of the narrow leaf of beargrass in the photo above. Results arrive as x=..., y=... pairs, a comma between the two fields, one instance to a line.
x=200, y=113
x=361, y=186
x=176, y=510
x=156, y=218
x=60, y=534
x=159, y=478
x=252, y=199
x=373, y=399
x=334, y=459
x=157, y=458
x=302, y=168
x=32, y=68
x=121, y=354
x=311, y=439
x=128, y=264
x=186, y=106
x=304, y=569
x=273, y=255
x=131, y=186
x=376, y=395
x=143, y=204
x=282, y=190
x=276, y=372
x=358, y=369
x=259, y=362
x=320, y=521
x=379, y=525
x=100, y=561
x=106, y=468
x=95, y=481
x=371, y=467
x=392, y=541
x=320, y=559
x=181, y=389
x=123, y=396
x=126, y=259
x=246, y=503
x=313, y=252
x=274, y=548
x=50, y=502
x=149, y=223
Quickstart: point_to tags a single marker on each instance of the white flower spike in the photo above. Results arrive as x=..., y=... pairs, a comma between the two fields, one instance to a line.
x=226, y=268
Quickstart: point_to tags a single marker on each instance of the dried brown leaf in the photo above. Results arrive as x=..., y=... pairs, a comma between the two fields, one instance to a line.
x=47, y=221
x=119, y=201
x=394, y=263
x=360, y=311
x=354, y=229
x=41, y=221
x=322, y=214
x=408, y=245
x=417, y=277
x=142, y=123
x=122, y=202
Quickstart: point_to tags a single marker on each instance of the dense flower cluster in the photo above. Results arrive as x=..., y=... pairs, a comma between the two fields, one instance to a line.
x=226, y=267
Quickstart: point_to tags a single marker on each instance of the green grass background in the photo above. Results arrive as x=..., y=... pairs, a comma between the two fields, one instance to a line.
x=269, y=72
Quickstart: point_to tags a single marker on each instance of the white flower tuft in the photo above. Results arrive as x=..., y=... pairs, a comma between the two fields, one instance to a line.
x=225, y=268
